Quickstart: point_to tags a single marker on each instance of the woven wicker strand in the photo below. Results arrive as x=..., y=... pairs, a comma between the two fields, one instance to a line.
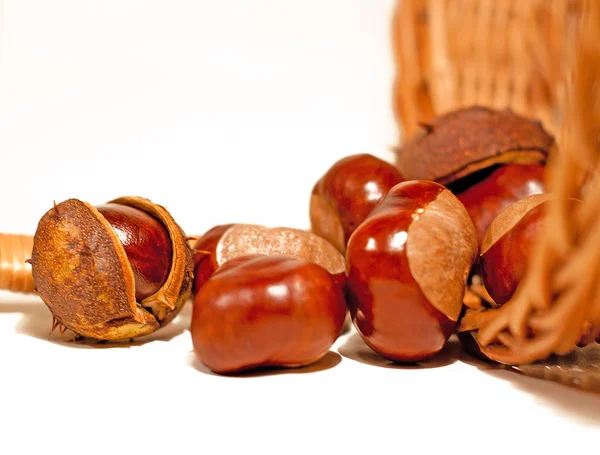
x=457, y=53
x=15, y=273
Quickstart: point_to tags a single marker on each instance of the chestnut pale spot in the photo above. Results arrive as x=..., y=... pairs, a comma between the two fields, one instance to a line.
x=509, y=217
x=441, y=248
x=247, y=239
x=328, y=221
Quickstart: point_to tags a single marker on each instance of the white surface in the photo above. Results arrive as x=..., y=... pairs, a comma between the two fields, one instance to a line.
x=222, y=111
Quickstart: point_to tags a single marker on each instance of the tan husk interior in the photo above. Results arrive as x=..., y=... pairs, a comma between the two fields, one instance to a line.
x=326, y=222
x=81, y=271
x=247, y=239
x=441, y=248
x=166, y=303
x=509, y=157
x=509, y=217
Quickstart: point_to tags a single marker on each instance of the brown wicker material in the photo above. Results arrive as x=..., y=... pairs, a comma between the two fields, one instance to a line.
x=541, y=58
x=15, y=273
x=458, y=53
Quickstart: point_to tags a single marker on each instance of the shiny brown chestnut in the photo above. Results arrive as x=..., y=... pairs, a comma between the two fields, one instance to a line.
x=508, y=245
x=266, y=311
x=147, y=246
x=116, y=271
x=346, y=194
x=487, y=193
x=205, y=262
x=228, y=241
x=407, y=266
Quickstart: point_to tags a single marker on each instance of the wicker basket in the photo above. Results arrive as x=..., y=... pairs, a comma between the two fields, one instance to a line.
x=457, y=53
x=540, y=58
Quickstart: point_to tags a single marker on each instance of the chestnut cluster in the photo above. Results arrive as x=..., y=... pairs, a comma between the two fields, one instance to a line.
x=395, y=247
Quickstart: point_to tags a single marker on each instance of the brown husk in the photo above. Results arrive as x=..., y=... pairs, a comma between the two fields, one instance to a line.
x=82, y=273
x=467, y=140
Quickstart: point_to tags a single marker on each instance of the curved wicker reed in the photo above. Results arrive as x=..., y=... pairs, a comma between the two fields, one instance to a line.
x=541, y=58
x=15, y=273
x=457, y=53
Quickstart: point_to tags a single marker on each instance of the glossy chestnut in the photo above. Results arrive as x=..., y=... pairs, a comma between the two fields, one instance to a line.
x=487, y=193
x=346, y=194
x=266, y=311
x=205, y=262
x=147, y=245
x=508, y=245
x=407, y=266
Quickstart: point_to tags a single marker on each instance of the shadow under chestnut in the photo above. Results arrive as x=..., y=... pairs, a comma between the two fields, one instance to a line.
x=355, y=349
x=328, y=361
x=36, y=322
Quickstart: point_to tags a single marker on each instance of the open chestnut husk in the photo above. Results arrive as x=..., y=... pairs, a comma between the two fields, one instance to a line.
x=466, y=140
x=116, y=271
x=407, y=267
x=266, y=311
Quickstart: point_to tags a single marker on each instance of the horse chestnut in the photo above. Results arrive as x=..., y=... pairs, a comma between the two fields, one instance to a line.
x=491, y=191
x=146, y=244
x=346, y=193
x=508, y=245
x=266, y=311
x=118, y=271
x=407, y=267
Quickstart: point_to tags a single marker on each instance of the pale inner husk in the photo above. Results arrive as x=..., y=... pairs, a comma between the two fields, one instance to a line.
x=249, y=239
x=326, y=222
x=509, y=217
x=441, y=247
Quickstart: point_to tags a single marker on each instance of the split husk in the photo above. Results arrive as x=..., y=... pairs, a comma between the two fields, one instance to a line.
x=82, y=273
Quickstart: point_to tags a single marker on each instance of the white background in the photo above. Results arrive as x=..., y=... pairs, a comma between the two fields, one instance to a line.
x=223, y=111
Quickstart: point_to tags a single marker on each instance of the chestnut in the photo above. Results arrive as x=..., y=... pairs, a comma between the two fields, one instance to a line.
x=508, y=245
x=225, y=242
x=146, y=243
x=346, y=193
x=116, y=271
x=204, y=254
x=407, y=266
x=266, y=311
x=492, y=190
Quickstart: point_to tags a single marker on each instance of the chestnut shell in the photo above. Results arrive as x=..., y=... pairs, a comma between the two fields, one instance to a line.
x=470, y=139
x=82, y=273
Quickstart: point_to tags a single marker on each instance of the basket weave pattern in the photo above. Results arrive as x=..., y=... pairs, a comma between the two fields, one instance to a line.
x=541, y=59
